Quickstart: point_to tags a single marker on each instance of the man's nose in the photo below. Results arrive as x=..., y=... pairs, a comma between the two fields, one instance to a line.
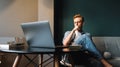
x=76, y=23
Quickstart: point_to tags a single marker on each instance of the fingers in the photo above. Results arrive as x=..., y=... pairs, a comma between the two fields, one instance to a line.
x=76, y=28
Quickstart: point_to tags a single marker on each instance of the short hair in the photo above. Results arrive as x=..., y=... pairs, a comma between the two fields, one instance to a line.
x=78, y=15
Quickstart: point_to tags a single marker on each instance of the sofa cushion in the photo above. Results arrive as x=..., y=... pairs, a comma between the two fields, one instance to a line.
x=115, y=62
x=99, y=43
x=110, y=44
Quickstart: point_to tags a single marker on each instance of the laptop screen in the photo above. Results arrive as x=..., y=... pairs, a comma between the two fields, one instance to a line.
x=38, y=34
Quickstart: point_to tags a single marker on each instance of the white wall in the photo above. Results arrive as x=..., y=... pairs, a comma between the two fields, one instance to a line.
x=15, y=12
x=46, y=11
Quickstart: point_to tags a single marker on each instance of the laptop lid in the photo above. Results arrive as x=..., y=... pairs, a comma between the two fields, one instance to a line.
x=38, y=34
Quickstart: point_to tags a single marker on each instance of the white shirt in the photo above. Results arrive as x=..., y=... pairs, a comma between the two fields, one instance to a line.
x=77, y=33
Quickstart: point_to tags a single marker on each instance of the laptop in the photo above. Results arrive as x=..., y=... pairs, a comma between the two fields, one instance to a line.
x=38, y=34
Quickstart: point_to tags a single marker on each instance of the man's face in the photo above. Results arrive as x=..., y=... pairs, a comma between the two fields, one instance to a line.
x=78, y=22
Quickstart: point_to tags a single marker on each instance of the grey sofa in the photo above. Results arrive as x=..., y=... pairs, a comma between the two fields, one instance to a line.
x=110, y=45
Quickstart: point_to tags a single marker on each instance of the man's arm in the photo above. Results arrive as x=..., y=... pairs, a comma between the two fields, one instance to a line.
x=67, y=40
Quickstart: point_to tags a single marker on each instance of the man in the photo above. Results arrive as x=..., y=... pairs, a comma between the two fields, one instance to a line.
x=79, y=37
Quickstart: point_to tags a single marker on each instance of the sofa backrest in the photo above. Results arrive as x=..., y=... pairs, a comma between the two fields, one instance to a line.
x=111, y=44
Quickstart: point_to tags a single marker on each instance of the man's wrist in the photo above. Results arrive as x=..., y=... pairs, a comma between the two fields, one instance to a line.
x=73, y=30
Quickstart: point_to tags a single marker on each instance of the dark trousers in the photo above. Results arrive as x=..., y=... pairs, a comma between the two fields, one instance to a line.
x=87, y=60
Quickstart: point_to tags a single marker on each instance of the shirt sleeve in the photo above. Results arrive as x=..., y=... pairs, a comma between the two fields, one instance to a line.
x=65, y=35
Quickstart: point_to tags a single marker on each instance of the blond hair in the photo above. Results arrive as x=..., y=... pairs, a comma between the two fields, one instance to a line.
x=78, y=15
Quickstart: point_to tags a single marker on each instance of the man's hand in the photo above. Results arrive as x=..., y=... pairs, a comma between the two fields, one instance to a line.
x=76, y=28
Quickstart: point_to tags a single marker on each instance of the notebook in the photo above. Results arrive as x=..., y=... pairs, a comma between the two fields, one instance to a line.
x=38, y=34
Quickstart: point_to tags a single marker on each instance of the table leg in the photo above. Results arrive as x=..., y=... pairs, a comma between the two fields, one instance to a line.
x=17, y=60
x=56, y=60
x=41, y=60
